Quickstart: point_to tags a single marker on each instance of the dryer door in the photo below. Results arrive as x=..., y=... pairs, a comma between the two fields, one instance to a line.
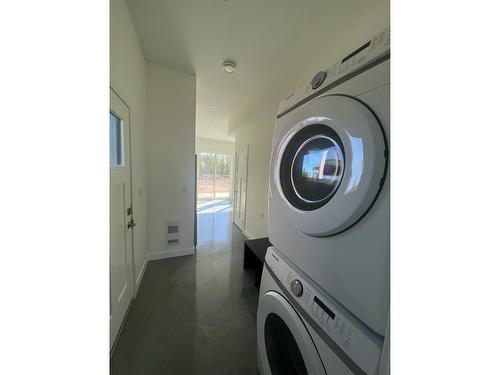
x=328, y=164
x=284, y=344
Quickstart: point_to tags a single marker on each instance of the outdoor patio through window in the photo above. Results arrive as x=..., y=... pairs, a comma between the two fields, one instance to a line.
x=214, y=176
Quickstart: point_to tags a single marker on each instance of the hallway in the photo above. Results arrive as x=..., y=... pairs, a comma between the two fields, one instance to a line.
x=214, y=222
x=191, y=310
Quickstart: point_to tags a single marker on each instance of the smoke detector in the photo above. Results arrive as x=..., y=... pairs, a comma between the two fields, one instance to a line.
x=229, y=66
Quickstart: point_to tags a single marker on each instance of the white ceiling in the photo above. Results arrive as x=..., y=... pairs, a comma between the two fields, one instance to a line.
x=277, y=45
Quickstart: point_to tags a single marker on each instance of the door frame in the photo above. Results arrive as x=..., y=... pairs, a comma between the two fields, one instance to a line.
x=112, y=87
x=195, y=201
x=236, y=186
x=247, y=156
x=241, y=225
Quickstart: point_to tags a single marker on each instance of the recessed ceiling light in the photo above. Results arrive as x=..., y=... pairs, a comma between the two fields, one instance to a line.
x=229, y=66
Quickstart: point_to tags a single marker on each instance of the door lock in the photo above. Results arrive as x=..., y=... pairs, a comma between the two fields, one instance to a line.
x=131, y=223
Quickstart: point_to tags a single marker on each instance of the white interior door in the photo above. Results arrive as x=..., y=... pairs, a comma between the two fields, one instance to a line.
x=121, y=222
x=240, y=187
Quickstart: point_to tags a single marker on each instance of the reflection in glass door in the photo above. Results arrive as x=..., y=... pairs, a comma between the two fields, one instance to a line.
x=214, y=176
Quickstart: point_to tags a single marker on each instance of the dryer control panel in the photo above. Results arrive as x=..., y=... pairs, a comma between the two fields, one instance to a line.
x=352, y=62
x=347, y=332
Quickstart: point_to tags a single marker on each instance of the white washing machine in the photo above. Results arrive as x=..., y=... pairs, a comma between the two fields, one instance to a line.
x=329, y=188
x=300, y=330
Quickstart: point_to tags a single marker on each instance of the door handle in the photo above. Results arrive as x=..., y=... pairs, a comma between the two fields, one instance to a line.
x=131, y=224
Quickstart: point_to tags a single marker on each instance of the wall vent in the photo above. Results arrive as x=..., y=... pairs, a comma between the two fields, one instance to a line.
x=173, y=229
x=172, y=233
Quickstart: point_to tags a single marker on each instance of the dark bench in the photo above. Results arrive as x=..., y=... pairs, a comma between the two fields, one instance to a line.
x=254, y=255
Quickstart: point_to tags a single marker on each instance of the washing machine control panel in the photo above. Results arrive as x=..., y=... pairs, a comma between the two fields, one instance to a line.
x=347, y=332
x=352, y=62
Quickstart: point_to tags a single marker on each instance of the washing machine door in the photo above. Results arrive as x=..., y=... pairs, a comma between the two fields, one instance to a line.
x=284, y=344
x=328, y=164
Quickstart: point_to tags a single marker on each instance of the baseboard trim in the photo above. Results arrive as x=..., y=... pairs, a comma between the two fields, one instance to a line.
x=163, y=254
x=248, y=235
x=138, y=281
x=237, y=226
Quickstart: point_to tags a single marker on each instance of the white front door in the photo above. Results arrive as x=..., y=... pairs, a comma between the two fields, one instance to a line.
x=240, y=190
x=121, y=222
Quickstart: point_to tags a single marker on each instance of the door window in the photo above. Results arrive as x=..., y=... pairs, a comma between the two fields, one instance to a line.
x=116, y=137
x=312, y=167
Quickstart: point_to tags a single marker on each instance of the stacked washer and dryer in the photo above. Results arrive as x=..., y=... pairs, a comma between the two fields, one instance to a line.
x=324, y=298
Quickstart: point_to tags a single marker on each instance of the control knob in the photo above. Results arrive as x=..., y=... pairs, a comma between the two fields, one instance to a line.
x=318, y=79
x=296, y=288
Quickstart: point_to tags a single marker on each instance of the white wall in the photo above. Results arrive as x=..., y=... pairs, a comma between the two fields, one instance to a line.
x=128, y=78
x=210, y=145
x=170, y=139
x=257, y=132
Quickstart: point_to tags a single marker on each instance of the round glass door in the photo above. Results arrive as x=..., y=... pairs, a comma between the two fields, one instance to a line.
x=283, y=353
x=284, y=345
x=328, y=165
x=312, y=167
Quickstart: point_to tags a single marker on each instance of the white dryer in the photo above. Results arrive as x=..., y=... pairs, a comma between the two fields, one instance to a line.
x=301, y=331
x=329, y=188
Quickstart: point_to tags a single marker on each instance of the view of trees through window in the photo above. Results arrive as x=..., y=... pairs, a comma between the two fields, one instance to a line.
x=214, y=176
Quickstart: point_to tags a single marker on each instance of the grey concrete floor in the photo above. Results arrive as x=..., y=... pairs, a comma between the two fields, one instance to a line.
x=194, y=314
